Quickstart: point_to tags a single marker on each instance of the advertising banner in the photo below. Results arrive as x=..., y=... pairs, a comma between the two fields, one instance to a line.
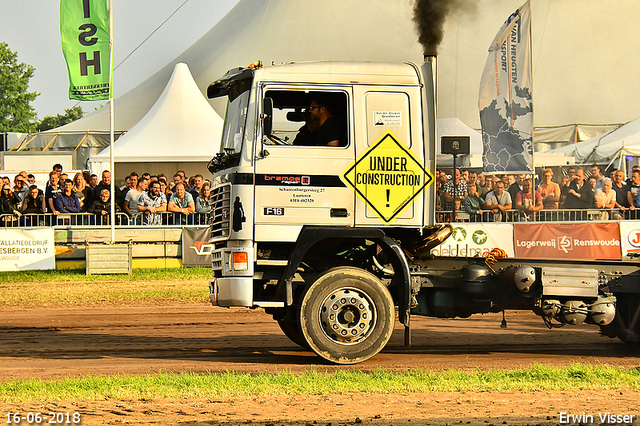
x=475, y=240
x=84, y=32
x=196, y=250
x=567, y=241
x=25, y=249
x=505, y=100
x=630, y=237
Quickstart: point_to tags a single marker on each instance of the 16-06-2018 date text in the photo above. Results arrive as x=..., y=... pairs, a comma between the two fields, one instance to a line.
x=44, y=418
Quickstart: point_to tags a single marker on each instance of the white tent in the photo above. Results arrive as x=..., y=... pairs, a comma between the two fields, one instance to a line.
x=605, y=149
x=275, y=32
x=181, y=128
x=571, y=84
x=455, y=127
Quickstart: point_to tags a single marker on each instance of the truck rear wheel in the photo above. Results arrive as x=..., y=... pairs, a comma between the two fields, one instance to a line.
x=346, y=315
x=627, y=321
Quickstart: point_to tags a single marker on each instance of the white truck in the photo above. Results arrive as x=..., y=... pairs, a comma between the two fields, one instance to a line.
x=333, y=240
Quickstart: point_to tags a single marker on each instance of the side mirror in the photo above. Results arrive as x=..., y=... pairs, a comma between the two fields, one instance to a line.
x=267, y=116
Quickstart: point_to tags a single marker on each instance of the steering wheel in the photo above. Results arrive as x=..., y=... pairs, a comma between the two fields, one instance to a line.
x=277, y=140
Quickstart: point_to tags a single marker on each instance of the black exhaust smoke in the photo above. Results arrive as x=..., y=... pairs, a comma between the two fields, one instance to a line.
x=429, y=17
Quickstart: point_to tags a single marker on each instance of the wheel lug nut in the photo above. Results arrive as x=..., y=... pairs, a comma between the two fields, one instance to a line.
x=364, y=316
x=344, y=332
x=335, y=326
x=353, y=300
x=354, y=332
x=343, y=300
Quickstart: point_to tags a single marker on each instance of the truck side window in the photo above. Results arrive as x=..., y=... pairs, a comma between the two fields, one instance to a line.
x=303, y=118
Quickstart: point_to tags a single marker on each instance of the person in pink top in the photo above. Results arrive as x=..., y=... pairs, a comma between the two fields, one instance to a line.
x=528, y=200
x=549, y=191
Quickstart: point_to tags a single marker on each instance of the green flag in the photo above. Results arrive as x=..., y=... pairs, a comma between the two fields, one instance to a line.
x=84, y=30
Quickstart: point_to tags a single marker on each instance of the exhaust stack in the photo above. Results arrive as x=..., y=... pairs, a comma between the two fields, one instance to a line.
x=429, y=73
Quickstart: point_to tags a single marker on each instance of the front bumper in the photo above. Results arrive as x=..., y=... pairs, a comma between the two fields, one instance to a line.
x=231, y=292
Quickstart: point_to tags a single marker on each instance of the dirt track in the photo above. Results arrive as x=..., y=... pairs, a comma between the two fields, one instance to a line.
x=62, y=342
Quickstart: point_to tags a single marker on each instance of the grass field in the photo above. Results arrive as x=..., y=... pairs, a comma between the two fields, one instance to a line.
x=27, y=289
x=187, y=385
x=74, y=288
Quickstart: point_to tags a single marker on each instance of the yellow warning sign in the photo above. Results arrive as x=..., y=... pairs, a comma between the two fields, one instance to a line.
x=388, y=177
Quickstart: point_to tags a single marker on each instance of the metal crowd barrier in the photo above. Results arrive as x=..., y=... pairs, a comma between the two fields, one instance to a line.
x=560, y=215
x=91, y=219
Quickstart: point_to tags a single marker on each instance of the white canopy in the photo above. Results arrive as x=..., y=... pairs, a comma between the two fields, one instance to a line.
x=572, y=84
x=180, y=127
x=275, y=32
x=624, y=140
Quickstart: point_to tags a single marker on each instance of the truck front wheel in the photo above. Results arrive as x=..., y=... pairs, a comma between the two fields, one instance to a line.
x=291, y=329
x=346, y=315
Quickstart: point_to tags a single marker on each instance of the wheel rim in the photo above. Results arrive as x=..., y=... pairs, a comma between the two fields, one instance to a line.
x=347, y=315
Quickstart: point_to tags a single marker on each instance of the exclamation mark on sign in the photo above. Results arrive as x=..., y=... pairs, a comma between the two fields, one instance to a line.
x=388, y=193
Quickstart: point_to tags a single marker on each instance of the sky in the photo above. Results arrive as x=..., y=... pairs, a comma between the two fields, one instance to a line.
x=32, y=29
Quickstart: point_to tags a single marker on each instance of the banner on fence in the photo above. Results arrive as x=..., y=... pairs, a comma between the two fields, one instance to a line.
x=24, y=249
x=630, y=237
x=474, y=240
x=567, y=241
x=196, y=250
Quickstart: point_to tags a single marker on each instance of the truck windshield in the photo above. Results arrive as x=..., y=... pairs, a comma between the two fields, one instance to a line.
x=235, y=121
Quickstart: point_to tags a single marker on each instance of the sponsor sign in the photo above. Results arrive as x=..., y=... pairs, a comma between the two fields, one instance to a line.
x=630, y=237
x=567, y=241
x=387, y=118
x=505, y=100
x=25, y=249
x=475, y=240
x=196, y=250
x=84, y=32
x=387, y=177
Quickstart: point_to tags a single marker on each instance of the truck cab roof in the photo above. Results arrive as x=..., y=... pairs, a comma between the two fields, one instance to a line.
x=328, y=72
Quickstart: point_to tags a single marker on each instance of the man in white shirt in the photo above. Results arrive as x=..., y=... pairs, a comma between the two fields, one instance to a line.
x=606, y=199
x=130, y=205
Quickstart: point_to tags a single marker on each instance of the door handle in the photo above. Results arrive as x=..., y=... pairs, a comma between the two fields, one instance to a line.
x=340, y=213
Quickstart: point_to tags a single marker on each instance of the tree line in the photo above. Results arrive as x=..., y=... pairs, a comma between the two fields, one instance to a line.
x=16, y=112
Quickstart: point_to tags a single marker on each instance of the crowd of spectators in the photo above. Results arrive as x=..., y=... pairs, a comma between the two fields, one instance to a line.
x=142, y=197
x=586, y=193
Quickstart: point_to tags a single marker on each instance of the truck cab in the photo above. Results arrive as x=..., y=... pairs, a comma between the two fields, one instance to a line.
x=287, y=209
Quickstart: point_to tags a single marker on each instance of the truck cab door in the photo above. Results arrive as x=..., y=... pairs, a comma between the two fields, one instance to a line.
x=297, y=181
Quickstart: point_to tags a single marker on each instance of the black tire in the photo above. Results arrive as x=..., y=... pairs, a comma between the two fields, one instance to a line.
x=291, y=329
x=346, y=315
x=626, y=308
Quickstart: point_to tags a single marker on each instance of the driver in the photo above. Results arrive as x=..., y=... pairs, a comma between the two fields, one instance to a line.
x=329, y=132
x=307, y=134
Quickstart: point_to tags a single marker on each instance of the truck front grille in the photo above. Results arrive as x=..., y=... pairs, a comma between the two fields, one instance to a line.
x=220, y=213
x=216, y=260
